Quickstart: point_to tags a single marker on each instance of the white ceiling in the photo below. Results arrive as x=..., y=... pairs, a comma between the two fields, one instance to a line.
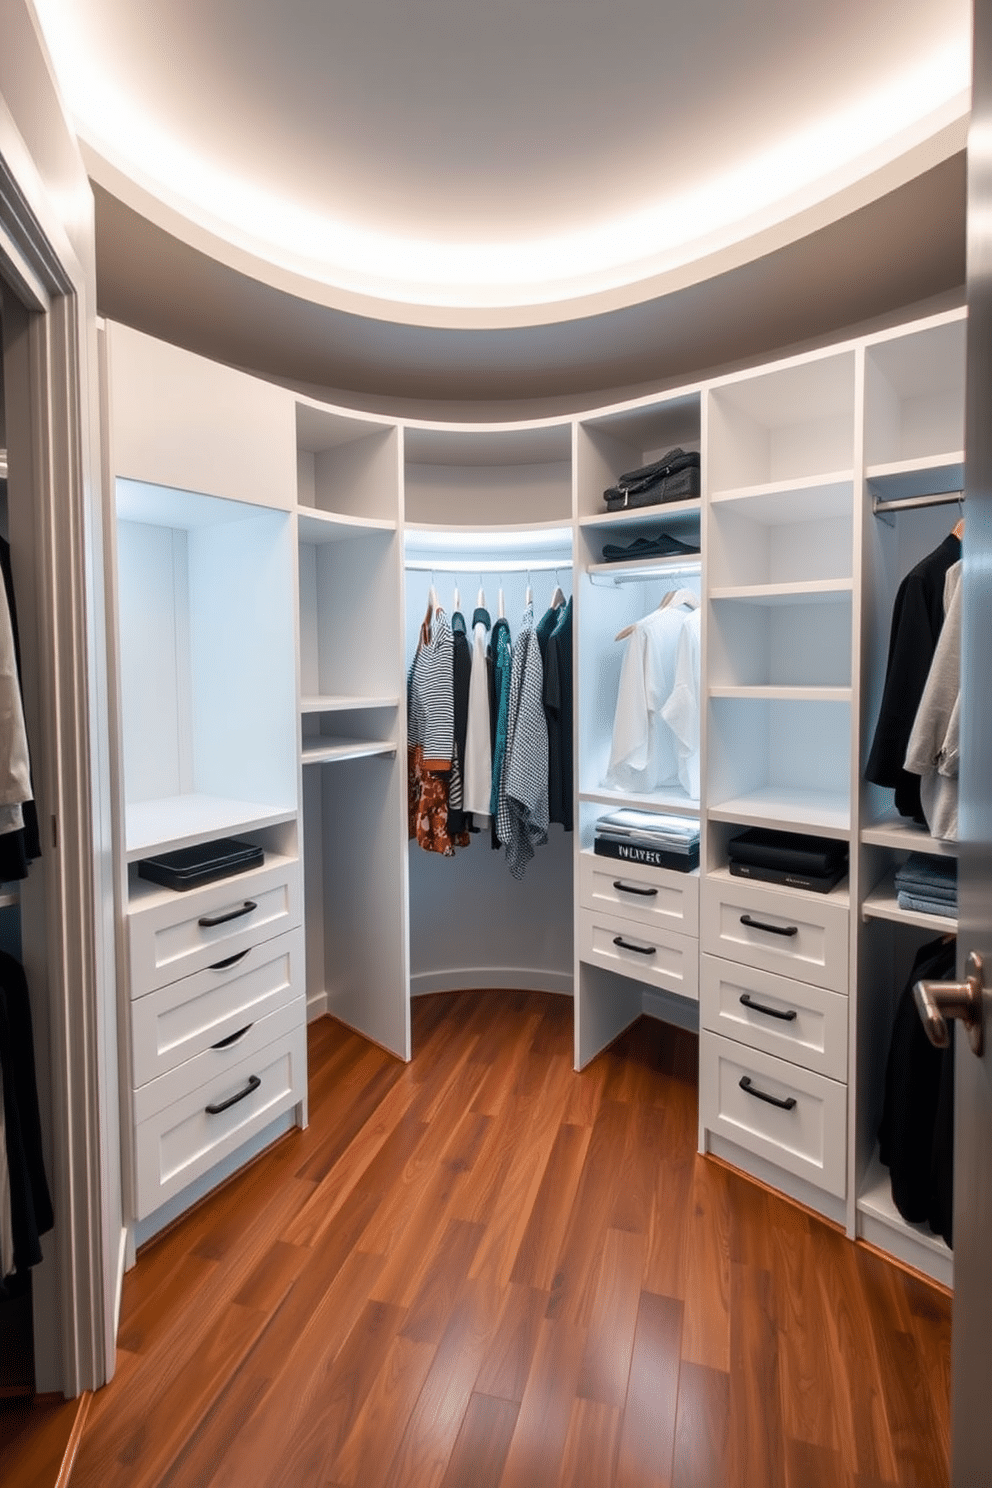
x=503, y=163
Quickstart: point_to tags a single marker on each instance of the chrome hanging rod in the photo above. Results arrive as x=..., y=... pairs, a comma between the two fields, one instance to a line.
x=488, y=565
x=905, y=503
x=637, y=572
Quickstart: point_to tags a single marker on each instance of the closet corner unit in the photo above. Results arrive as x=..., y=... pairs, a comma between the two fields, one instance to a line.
x=637, y=924
x=782, y=447
x=212, y=1007
x=350, y=578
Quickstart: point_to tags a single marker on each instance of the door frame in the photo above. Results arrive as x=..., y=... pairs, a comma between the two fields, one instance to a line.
x=49, y=354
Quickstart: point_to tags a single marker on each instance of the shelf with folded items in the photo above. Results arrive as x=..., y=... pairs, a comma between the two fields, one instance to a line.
x=627, y=439
x=883, y=904
x=904, y=835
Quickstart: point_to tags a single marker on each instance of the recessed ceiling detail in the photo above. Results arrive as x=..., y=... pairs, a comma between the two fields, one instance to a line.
x=457, y=163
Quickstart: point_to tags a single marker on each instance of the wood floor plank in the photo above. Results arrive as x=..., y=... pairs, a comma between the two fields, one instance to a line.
x=441, y=1281
x=539, y=1248
x=647, y=1440
x=811, y=1466
x=436, y=1420
x=702, y=1429
x=808, y=1409
x=479, y=1453
x=602, y=1173
x=706, y=1323
x=613, y=1320
x=538, y=1444
x=667, y=1262
x=756, y=1434
x=591, y=1445
x=365, y=1459
x=507, y=1364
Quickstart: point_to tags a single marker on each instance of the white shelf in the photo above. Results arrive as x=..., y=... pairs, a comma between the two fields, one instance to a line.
x=662, y=511
x=772, y=806
x=673, y=800
x=182, y=821
x=786, y=694
x=881, y=1224
x=143, y=893
x=340, y=704
x=805, y=499
x=432, y=539
x=650, y=567
x=905, y=836
x=882, y=904
x=328, y=751
x=816, y=591
x=932, y=475
x=327, y=527
x=837, y=895
x=9, y=898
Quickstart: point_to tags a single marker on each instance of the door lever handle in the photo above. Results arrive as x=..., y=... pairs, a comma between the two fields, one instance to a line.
x=937, y=1002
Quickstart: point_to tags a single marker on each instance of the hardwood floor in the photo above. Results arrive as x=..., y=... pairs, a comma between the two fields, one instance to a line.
x=482, y=1270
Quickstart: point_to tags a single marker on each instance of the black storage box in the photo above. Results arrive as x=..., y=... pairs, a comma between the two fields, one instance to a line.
x=191, y=867
x=675, y=477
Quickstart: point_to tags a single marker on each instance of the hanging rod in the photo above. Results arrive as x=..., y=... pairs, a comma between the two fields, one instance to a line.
x=487, y=565
x=636, y=571
x=904, y=503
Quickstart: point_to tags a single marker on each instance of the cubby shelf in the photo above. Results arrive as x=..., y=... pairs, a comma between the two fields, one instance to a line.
x=881, y=1224
x=323, y=751
x=930, y=475
x=819, y=591
x=665, y=511
x=788, y=694
x=802, y=810
x=182, y=821
x=341, y=703
x=320, y=527
x=837, y=895
x=905, y=836
x=883, y=904
x=674, y=801
x=807, y=497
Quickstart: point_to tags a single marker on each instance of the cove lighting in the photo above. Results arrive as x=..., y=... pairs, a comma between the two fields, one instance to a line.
x=803, y=168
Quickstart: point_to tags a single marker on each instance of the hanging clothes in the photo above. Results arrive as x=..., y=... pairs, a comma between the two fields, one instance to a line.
x=478, y=738
x=681, y=710
x=461, y=667
x=500, y=649
x=523, y=805
x=917, y=620
x=430, y=736
x=916, y=1135
x=7, y=1262
x=646, y=752
x=30, y=1202
x=933, y=751
x=20, y=842
x=558, y=713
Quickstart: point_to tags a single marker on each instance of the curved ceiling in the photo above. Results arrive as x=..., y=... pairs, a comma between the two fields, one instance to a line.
x=500, y=199
x=469, y=160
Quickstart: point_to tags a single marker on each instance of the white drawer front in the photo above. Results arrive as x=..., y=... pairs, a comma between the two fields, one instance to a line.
x=188, y=1017
x=659, y=957
x=777, y=930
x=805, y=1135
x=653, y=896
x=791, y=1019
x=168, y=936
x=182, y=1140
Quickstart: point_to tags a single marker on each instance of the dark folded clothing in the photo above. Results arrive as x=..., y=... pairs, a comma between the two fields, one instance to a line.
x=661, y=546
x=794, y=851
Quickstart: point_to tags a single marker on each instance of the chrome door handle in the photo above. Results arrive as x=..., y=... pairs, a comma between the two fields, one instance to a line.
x=936, y=1002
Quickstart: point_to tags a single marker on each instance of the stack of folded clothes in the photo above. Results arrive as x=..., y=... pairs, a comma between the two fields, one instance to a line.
x=659, y=546
x=649, y=837
x=792, y=858
x=928, y=885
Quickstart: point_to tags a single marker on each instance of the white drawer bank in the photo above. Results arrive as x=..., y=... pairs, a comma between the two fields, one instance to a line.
x=218, y=1021
x=774, y=1025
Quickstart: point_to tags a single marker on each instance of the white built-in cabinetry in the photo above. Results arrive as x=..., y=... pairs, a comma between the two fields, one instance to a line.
x=338, y=526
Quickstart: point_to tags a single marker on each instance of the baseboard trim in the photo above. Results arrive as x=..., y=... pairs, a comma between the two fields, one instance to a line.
x=316, y=1006
x=499, y=978
x=75, y=1437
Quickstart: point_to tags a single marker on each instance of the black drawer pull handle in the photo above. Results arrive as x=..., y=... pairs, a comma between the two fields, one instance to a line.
x=618, y=883
x=773, y=1100
x=754, y=924
x=769, y=1012
x=232, y=1100
x=209, y=921
x=629, y=946
x=232, y=1038
x=229, y=961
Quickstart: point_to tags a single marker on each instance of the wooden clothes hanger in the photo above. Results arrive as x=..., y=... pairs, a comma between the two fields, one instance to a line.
x=558, y=598
x=958, y=529
x=673, y=597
